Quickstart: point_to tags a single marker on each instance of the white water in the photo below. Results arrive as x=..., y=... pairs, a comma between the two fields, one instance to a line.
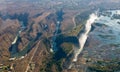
x=83, y=36
x=15, y=40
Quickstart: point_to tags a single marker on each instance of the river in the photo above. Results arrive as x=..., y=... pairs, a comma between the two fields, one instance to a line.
x=59, y=14
x=106, y=32
x=83, y=36
x=13, y=49
x=14, y=46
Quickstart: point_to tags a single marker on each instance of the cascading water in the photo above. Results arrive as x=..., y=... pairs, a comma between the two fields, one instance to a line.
x=83, y=36
x=13, y=48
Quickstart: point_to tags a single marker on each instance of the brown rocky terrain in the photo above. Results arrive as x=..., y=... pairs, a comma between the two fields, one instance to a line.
x=41, y=18
x=8, y=30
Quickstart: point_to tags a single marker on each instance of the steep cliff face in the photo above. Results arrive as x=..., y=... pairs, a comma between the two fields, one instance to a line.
x=29, y=38
x=44, y=23
x=40, y=19
x=8, y=30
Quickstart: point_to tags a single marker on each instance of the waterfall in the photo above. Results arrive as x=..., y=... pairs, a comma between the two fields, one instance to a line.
x=83, y=36
x=15, y=40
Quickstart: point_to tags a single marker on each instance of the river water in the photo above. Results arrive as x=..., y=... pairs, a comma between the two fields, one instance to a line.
x=59, y=14
x=14, y=46
x=111, y=24
x=83, y=36
x=106, y=31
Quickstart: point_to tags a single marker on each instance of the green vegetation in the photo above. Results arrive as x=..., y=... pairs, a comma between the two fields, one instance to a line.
x=82, y=17
x=67, y=47
x=105, y=66
x=57, y=64
x=51, y=64
x=27, y=48
x=75, y=31
x=56, y=59
x=43, y=66
x=64, y=45
x=46, y=42
x=80, y=21
x=29, y=29
x=4, y=68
